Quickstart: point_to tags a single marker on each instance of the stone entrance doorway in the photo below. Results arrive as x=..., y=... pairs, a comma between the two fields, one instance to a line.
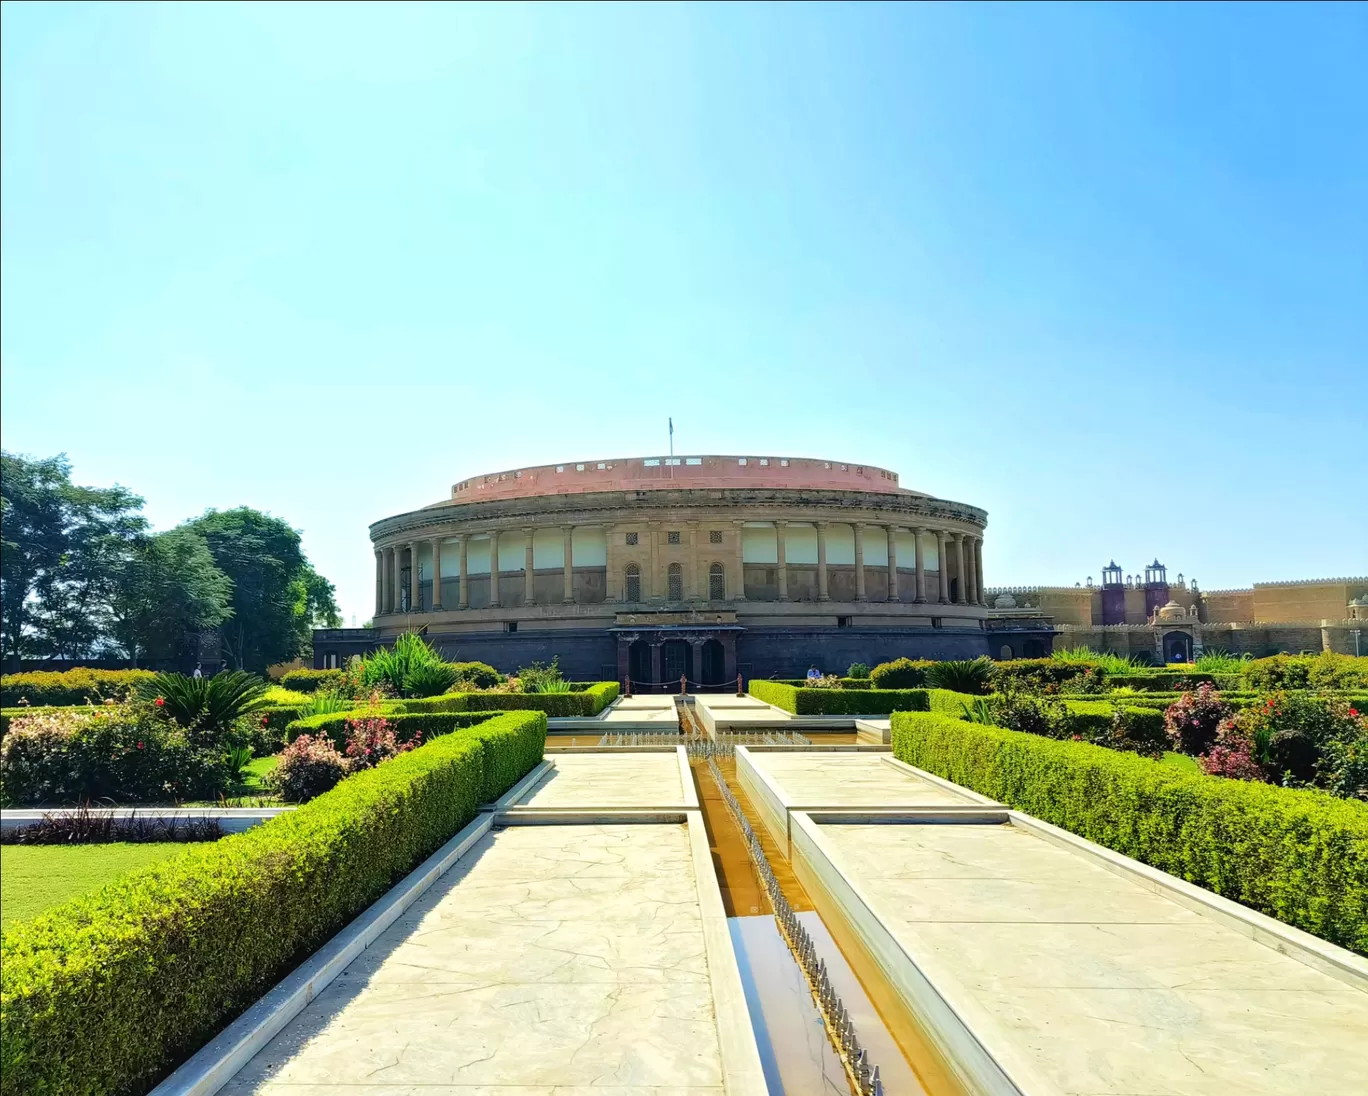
x=655, y=650
x=1177, y=647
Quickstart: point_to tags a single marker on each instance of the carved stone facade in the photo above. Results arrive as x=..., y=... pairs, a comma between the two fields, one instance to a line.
x=808, y=561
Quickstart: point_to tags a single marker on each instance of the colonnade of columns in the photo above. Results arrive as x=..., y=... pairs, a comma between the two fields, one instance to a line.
x=967, y=558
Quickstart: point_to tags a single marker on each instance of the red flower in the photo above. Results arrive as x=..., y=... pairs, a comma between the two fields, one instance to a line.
x=265, y=719
x=1353, y=711
x=140, y=746
x=160, y=702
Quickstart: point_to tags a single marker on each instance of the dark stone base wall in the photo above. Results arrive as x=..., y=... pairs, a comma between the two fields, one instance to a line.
x=591, y=654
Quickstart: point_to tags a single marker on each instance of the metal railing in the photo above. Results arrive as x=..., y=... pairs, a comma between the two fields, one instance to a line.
x=840, y=1027
x=701, y=746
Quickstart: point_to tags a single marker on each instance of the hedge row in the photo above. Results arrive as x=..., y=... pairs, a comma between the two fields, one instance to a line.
x=67, y=686
x=1095, y=717
x=109, y=992
x=803, y=701
x=405, y=724
x=590, y=701
x=309, y=681
x=1299, y=856
x=1161, y=681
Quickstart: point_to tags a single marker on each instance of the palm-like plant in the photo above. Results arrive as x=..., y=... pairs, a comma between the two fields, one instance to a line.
x=411, y=664
x=962, y=675
x=429, y=679
x=207, y=707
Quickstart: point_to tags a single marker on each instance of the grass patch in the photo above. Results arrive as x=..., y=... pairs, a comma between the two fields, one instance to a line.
x=254, y=774
x=34, y=878
x=1181, y=761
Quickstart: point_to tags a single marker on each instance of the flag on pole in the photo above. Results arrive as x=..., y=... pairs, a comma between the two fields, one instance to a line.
x=672, y=435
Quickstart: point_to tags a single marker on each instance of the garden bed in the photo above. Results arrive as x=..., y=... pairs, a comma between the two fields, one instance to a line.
x=35, y=878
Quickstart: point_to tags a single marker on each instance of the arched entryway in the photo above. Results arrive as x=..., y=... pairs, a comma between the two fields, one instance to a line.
x=676, y=661
x=639, y=662
x=714, y=659
x=1177, y=647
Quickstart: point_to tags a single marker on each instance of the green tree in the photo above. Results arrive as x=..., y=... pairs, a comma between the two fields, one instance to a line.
x=277, y=596
x=168, y=588
x=63, y=548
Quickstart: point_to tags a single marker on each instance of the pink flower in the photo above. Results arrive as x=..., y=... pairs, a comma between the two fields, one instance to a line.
x=160, y=702
x=140, y=745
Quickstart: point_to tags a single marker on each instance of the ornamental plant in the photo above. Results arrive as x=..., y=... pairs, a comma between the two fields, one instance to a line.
x=858, y=670
x=826, y=681
x=1194, y=718
x=308, y=767
x=371, y=740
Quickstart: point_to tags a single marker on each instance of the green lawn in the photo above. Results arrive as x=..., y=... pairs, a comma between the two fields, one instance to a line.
x=254, y=773
x=1181, y=761
x=36, y=877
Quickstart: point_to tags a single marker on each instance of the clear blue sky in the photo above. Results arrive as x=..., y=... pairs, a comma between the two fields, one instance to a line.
x=1100, y=270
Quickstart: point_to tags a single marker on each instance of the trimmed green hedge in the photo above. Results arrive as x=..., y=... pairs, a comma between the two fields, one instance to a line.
x=308, y=681
x=406, y=724
x=1095, y=717
x=590, y=701
x=803, y=701
x=64, y=687
x=948, y=702
x=1161, y=681
x=1299, y=856
x=109, y=992
x=447, y=702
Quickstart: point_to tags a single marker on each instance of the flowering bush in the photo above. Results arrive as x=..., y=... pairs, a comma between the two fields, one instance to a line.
x=307, y=767
x=1137, y=731
x=1030, y=712
x=826, y=681
x=371, y=740
x=1232, y=756
x=1194, y=718
x=125, y=752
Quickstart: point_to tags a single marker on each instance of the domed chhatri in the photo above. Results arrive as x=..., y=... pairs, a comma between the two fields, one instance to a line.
x=710, y=564
x=1172, y=611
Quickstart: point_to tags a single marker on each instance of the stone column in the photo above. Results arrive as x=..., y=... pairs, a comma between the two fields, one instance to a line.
x=917, y=535
x=696, y=588
x=859, y=564
x=780, y=528
x=892, y=534
x=398, y=580
x=822, y=594
x=971, y=574
x=494, y=570
x=958, y=538
x=568, y=596
x=529, y=570
x=379, y=581
x=436, y=573
x=415, y=591
x=943, y=565
x=739, y=591
x=655, y=584
x=463, y=602
x=978, y=569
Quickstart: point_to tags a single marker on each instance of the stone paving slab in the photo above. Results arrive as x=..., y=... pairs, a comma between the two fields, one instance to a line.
x=594, y=780
x=846, y=780
x=1093, y=983
x=558, y=959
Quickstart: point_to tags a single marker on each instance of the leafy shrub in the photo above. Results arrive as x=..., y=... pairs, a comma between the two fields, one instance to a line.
x=1216, y=661
x=1030, y=713
x=825, y=681
x=1326, y=670
x=1137, y=730
x=538, y=678
x=1194, y=718
x=307, y=767
x=901, y=673
x=84, y=826
x=125, y=753
x=1107, y=662
x=1299, y=856
x=429, y=679
x=480, y=675
x=406, y=725
x=371, y=740
x=106, y=993
x=1289, y=732
x=207, y=708
x=68, y=686
x=858, y=670
x=1048, y=675
x=1232, y=756
x=406, y=667
x=969, y=676
x=309, y=681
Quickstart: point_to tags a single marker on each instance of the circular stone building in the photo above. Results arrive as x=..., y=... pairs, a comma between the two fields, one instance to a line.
x=661, y=567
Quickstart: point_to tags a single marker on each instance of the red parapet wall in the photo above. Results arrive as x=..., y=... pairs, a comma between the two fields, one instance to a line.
x=665, y=473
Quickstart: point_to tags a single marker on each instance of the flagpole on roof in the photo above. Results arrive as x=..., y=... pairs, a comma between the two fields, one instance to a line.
x=672, y=435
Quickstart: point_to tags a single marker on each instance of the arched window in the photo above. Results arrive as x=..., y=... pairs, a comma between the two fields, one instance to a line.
x=717, y=583
x=633, y=584
x=674, y=583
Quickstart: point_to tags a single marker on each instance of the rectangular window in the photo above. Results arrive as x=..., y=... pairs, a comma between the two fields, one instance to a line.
x=510, y=626
x=651, y=462
x=579, y=468
x=672, y=461
x=672, y=537
x=843, y=622
x=714, y=536
x=937, y=622
x=693, y=460
x=764, y=462
x=783, y=464
x=632, y=538
x=602, y=466
x=560, y=468
x=741, y=461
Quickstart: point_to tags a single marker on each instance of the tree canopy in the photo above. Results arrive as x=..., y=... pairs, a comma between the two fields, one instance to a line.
x=83, y=577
